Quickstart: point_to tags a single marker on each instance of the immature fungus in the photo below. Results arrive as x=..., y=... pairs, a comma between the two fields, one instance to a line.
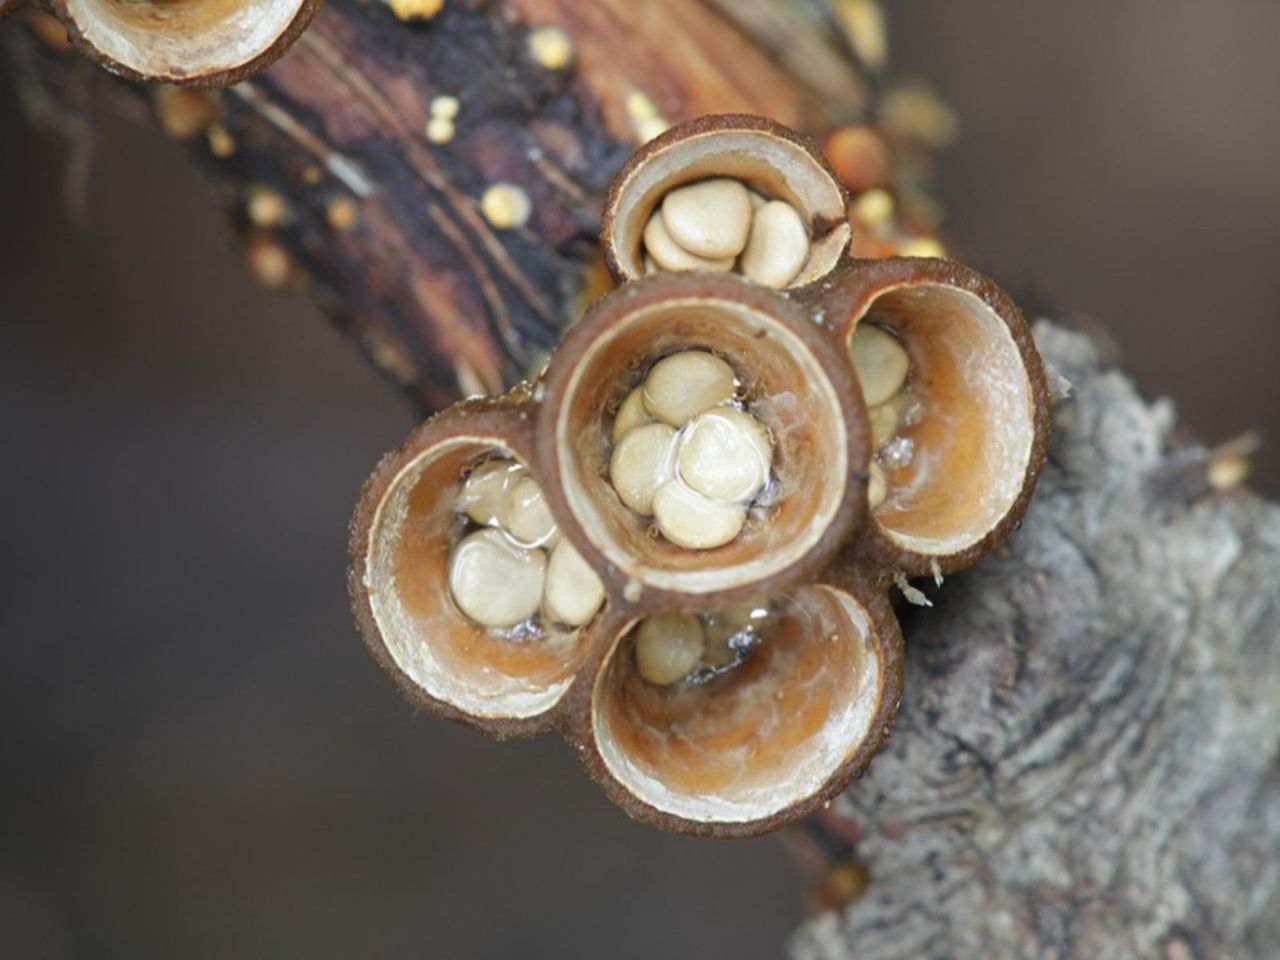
x=342, y=213
x=269, y=262
x=677, y=547
x=551, y=48
x=266, y=208
x=922, y=247
x=859, y=157
x=415, y=9
x=506, y=206
x=645, y=118
x=185, y=113
x=875, y=208
x=221, y=143
x=444, y=110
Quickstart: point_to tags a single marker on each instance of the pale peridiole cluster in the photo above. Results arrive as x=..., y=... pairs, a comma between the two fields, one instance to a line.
x=720, y=225
x=515, y=569
x=686, y=455
x=883, y=365
x=672, y=647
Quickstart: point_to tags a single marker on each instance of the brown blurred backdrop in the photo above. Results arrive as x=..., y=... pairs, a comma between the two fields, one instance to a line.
x=199, y=760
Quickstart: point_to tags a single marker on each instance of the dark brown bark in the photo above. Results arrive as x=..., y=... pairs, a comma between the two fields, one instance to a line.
x=438, y=297
x=1085, y=762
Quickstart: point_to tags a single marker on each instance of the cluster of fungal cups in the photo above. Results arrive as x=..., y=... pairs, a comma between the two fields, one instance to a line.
x=677, y=547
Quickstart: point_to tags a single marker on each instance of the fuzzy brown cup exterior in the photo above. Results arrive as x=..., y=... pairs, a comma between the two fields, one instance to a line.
x=800, y=710
x=156, y=41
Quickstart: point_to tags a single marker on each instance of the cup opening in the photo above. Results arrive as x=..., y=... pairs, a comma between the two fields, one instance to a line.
x=763, y=157
x=785, y=387
x=482, y=672
x=747, y=744
x=959, y=467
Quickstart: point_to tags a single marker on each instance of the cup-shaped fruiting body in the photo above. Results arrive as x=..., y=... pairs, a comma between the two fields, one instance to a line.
x=764, y=418
x=463, y=589
x=677, y=547
x=735, y=721
x=958, y=405
x=203, y=42
x=727, y=194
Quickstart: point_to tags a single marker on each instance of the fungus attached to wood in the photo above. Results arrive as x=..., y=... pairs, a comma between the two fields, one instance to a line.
x=677, y=546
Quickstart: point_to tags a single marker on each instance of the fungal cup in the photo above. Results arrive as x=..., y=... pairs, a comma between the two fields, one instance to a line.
x=185, y=41
x=724, y=481
x=788, y=380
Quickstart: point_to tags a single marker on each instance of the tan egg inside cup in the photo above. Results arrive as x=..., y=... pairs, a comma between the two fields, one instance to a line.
x=972, y=447
x=485, y=674
x=798, y=715
x=768, y=158
x=185, y=40
x=788, y=380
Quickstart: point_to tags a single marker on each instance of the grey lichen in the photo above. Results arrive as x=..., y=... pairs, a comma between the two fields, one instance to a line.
x=1085, y=761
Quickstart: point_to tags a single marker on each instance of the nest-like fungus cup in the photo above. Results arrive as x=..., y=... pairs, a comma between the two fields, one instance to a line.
x=407, y=527
x=791, y=381
x=892, y=417
x=759, y=744
x=968, y=462
x=770, y=159
x=205, y=42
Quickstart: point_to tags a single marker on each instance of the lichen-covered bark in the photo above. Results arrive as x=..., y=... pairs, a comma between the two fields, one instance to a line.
x=1085, y=763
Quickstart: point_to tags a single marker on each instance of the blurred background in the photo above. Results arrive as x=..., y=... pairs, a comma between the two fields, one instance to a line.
x=197, y=757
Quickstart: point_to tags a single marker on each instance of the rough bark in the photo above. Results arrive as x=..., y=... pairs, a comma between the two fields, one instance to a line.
x=1085, y=763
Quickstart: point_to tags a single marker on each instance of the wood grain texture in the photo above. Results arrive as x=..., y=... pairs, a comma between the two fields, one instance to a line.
x=440, y=298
